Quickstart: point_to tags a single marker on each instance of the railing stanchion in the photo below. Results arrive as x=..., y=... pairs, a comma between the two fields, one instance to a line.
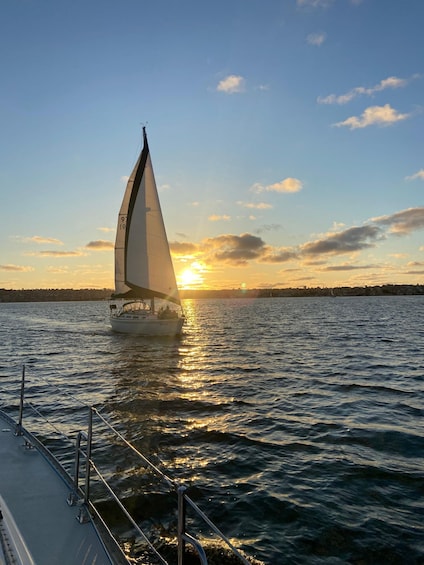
x=88, y=455
x=181, y=524
x=81, y=435
x=18, y=430
x=80, y=494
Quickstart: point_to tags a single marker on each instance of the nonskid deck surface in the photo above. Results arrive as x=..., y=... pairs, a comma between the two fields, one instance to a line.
x=36, y=496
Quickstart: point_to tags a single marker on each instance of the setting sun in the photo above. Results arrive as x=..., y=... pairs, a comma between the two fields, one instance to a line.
x=191, y=277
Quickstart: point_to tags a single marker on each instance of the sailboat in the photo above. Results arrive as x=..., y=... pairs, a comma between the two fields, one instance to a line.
x=143, y=265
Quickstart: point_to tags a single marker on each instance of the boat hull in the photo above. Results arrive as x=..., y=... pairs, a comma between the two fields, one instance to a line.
x=148, y=326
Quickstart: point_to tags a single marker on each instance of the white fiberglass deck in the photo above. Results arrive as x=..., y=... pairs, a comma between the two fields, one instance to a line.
x=35, y=494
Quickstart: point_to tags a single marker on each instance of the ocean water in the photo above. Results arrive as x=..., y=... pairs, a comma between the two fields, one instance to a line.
x=296, y=423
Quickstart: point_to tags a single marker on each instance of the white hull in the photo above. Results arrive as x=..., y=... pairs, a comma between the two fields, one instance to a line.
x=146, y=325
x=37, y=525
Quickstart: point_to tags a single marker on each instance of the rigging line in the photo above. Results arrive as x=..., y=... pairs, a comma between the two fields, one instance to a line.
x=66, y=393
x=171, y=483
x=37, y=411
x=125, y=511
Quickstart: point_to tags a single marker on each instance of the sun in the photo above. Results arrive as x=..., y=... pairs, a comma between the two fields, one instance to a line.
x=191, y=277
x=188, y=278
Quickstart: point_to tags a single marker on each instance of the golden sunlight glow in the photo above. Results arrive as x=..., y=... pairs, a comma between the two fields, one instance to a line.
x=191, y=277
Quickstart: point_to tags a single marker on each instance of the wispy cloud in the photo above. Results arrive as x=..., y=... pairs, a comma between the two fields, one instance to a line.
x=316, y=39
x=348, y=267
x=183, y=249
x=390, y=82
x=404, y=222
x=58, y=270
x=286, y=185
x=277, y=255
x=357, y=238
x=16, y=268
x=322, y=3
x=255, y=205
x=314, y=3
x=418, y=175
x=219, y=218
x=106, y=230
x=268, y=228
x=39, y=239
x=374, y=115
x=100, y=245
x=348, y=241
x=231, y=84
x=55, y=254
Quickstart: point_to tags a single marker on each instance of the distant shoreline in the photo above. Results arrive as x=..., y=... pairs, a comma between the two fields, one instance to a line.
x=64, y=295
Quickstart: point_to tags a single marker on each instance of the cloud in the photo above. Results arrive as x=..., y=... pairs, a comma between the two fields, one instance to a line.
x=278, y=255
x=234, y=249
x=403, y=222
x=268, y=227
x=418, y=175
x=348, y=241
x=356, y=238
x=100, y=245
x=374, y=115
x=390, y=82
x=41, y=240
x=316, y=39
x=255, y=205
x=240, y=250
x=287, y=185
x=217, y=218
x=398, y=255
x=183, y=249
x=348, y=267
x=56, y=254
x=16, y=268
x=58, y=270
x=107, y=230
x=315, y=3
x=322, y=3
x=231, y=84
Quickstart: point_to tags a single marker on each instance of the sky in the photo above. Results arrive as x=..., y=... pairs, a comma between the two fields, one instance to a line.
x=286, y=138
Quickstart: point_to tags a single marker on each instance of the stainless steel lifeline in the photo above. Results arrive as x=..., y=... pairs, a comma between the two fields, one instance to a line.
x=80, y=496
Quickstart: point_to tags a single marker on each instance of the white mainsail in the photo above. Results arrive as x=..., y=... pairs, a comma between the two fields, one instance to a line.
x=143, y=264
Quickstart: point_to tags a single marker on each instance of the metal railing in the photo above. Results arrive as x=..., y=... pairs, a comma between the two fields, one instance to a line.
x=80, y=495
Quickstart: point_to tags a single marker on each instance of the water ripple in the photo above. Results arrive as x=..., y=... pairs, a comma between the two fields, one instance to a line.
x=296, y=423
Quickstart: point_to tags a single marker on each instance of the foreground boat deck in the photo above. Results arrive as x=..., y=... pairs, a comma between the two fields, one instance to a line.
x=35, y=493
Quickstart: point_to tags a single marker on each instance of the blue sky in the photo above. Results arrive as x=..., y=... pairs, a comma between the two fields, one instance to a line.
x=286, y=138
